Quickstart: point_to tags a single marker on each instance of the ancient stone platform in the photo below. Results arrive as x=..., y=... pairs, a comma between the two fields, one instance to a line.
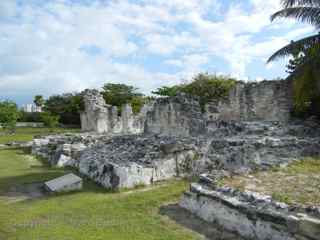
x=66, y=183
x=130, y=160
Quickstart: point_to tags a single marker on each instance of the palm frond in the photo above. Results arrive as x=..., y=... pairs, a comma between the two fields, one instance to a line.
x=304, y=14
x=292, y=3
x=291, y=48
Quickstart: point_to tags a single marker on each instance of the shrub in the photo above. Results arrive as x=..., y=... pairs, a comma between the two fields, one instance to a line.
x=50, y=120
x=120, y=94
x=9, y=115
x=167, y=91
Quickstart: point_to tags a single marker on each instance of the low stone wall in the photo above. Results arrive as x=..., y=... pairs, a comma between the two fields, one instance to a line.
x=28, y=124
x=251, y=215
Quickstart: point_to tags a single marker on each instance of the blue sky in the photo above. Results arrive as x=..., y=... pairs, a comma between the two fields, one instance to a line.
x=55, y=46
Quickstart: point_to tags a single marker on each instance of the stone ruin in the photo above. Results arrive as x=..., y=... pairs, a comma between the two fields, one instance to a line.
x=181, y=115
x=249, y=214
x=172, y=137
x=100, y=117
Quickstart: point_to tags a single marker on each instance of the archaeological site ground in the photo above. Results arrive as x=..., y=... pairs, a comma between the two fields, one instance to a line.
x=241, y=168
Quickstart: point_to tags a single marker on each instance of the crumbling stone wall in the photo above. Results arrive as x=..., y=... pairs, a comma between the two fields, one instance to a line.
x=266, y=101
x=103, y=118
x=175, y=116
x=181, y=115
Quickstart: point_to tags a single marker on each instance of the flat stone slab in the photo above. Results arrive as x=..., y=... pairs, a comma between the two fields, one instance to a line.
x=66, y=183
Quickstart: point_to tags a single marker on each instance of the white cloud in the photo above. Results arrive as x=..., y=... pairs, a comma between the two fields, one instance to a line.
x=43, y=47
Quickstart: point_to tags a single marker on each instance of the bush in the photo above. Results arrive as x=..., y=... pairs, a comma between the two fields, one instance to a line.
x=9, y=115
x=50, y=120
x=120, y=94
x=167, y=91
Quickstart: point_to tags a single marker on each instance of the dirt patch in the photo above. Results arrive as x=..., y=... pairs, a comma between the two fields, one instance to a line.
x=188, y=220
x=297, y=183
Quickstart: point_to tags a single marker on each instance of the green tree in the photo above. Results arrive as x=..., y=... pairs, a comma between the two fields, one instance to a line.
x=167, y=91
x=120, y=94
x=38, y=100
x=50, y=120
x=207, y=87
x=304, y=69
x=9, y=114
x=67, y=106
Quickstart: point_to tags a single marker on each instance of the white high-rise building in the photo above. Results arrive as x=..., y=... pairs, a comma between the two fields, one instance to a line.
x=31, y=107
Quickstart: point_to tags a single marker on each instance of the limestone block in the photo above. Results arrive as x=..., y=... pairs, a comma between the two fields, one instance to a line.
x=69, y=182
x=309, y=226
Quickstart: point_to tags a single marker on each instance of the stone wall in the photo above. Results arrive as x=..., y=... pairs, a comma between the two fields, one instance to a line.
x=103, y=118
x=266, y=100
x=182, y=116
x=177, y=116
x=251, y=215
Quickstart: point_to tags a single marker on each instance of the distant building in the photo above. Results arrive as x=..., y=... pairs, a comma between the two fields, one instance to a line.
x=31, y=107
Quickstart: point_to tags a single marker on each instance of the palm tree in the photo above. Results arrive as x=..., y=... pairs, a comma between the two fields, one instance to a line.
x=306, y=71
x=38, y=100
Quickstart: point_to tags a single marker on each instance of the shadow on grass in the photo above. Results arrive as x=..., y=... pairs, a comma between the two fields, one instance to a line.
x=30, y=186
x=190, y=221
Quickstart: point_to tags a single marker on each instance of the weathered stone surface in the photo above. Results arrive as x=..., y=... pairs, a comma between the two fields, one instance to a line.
x=259, y=144
x=143, y=159
x=64, y=150
x=182, y=116
x=250, y=214
x=309, y=226
x=175, y=116
x=69, y=182
x=266, y=100
x=102, y=118
x=127, y=161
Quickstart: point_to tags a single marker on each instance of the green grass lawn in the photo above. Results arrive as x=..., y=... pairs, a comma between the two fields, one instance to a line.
x=92, y=213
x=26, y=134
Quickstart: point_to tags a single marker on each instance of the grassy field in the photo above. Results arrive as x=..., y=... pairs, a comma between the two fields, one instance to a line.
x=92, y=213
x=26, y=134
x=297, y=183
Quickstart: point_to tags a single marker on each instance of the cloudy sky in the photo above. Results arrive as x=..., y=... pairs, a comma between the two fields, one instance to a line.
x=54, y=46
